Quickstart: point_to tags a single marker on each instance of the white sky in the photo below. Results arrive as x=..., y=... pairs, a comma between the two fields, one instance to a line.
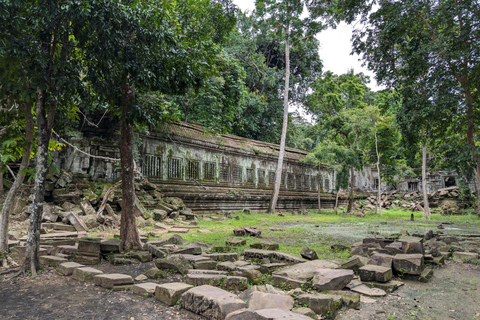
x=334, y=49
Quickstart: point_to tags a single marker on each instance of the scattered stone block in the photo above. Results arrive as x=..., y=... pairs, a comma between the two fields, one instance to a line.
x=389, y=286
x=262, y=300
x=200, y=271
x=411, y=247
x=235, y=243
x=85, y=274
x=75, y=221
x=309, y=254
x=178, y=230
x=305, y=271
x=155, y=273
x=87, y=208
x=109, y=281
x=175, y=262
x=52, y=261
x=465, y=256
x=265, y=246
x=211, y=302
x=269, y=268
x=409, y=263
x=381, y=259
x=375, y=273
x=304, y=311
x=350, y=299
x=331, y=279
x=427, y=273
x=371, y=292
x=141, y=277
x=323, y=304
x=111, y=246
x=223, y=256
x=146, y=289
x=66, y=268
x=201, y=279
x=355, y=263
x=142, y=256
x=235, y=283
x=154, y=250
x=284, y=282
x=273, y=256
x=189, y=250
x=253, y=276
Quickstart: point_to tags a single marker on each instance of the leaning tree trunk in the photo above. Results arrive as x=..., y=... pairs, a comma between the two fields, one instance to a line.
x=7, y=205
x=281, y=153
x=426, y=206
x=379, y=190
x=44, y=126
x=352, y=184
x=319, y=191
x=336, y=201
x=1, y=181
x=128, y=225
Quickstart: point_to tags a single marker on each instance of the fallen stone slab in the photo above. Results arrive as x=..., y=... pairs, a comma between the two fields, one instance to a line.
x=223, y=256
x=269, y=268
x=155, y=273
x=178, y=230
x=465, y=256
x=305, y=271
x=200, y=271
x=389, y=286
x=375, y=273
x=304, y=311
x=355, y=262
x=170, y=293
x=235, y=283
x=408, y=263
x=253, y=276
x=265, y=246
x=211, y=302
x=189, y=250
x=89, y=245
x=371, y=292
x=262, y=300
x=201, y=262
x=350, y=299
x=111, y=246
x=154, y=250
x=323, y=304
x=331, y=279
x=410, y=247
x=274, y=256
x=381, y=259
x=309, y=254
x=52, y=261
x=75, y=221
x=266, y=314
x=235, y=243
x=227, y=266
x=284, y=282
x=175, y=262
x=85, y=274
x=108, y=281
x=66, y=268
x=146, y=289
x=201, y=279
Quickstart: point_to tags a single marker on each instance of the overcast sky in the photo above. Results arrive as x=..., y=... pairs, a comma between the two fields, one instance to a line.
x=334, y=49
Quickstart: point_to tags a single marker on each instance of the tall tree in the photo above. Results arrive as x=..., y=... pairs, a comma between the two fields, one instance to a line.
x=432, y=46
x=136, y=47
x=286, y=17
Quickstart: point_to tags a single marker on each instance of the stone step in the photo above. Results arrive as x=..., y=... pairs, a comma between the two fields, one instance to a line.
x=211, y=302
x=108, y=281
x=66, y=268
x=146, y=289
x=170, y=293
x=52, y=261
x=85, y=274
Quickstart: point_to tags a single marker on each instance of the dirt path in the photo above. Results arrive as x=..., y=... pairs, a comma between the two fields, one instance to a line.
x=452, y=293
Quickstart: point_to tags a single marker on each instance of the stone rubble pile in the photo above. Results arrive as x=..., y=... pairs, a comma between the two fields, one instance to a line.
x=446, y=201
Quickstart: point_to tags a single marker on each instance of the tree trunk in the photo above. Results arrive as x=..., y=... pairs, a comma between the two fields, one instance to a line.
x=281, y=153
x=352, y=185
x=426, y=206
x=44, y=126
x=128, y=225
x=379, y=190
x=1, y=180
x=27, y=149
x=336, y=201
x=477, y=186
x=319, y=191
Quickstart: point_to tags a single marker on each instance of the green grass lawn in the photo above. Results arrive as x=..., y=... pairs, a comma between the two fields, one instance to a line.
x=315, y=230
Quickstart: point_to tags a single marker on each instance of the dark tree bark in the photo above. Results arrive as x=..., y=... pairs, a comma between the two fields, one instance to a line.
x=27, y=149
x=128, y=225
x=1, y=183
x=352, y=186
x=44, y=127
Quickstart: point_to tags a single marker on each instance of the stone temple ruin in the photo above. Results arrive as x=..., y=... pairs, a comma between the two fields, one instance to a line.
x=222, y=172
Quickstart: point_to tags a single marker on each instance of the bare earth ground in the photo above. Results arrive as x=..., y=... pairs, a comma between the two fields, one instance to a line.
x=453, y=293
